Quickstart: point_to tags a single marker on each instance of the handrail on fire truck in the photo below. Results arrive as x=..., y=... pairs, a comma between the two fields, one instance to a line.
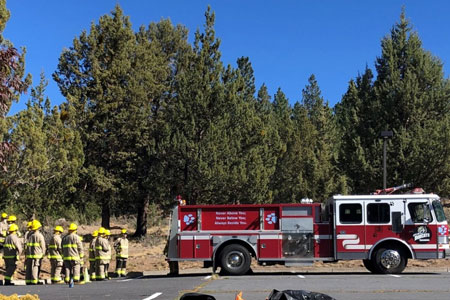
x=391, y=190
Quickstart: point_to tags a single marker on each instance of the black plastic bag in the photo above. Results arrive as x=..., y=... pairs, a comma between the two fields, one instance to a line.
x=298, y=295
x=196, y=296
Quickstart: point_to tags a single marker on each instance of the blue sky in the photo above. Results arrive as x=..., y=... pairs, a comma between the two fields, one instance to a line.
x=286, y=41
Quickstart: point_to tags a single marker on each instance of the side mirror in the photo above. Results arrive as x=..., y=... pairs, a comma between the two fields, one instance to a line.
x=397, y=225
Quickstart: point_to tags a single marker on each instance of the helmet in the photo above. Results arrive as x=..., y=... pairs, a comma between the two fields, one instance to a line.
x=101, y=230
x=124, y=230
x=107, y=232
x=73, y=227
x=59, y=229
x=12, y=218
x=4, y=215
x=29, y=224
x=13, y=227
x=95, y=233
x=36, y=225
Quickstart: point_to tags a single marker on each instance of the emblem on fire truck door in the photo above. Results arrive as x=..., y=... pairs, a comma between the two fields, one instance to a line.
x=189, y=219
x=422, y=234
x=271, y=218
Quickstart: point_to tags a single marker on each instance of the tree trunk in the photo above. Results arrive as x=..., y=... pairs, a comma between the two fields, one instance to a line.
x=141, y=223
x=106, y=214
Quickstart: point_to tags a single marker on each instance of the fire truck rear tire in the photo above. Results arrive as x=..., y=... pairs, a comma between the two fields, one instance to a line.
x=370, y=266
x=390, y=260
x=235, y=260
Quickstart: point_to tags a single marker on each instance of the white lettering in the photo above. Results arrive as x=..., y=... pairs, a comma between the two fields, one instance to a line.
x=220, y=223
x=220, y=213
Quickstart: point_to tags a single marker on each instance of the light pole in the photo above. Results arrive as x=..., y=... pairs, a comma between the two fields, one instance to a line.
x=385, y=135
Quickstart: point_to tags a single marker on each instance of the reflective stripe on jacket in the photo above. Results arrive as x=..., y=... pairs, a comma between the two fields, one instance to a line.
x=54, y=248
x=102, y=251
x=35, y=245
x=12, y=247
x=121, y=247
x=72, y=247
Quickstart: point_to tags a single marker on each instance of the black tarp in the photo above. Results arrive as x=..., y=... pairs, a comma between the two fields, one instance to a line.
x=298, y=295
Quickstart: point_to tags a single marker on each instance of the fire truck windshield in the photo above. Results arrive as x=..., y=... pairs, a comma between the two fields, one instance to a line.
x=439, y=211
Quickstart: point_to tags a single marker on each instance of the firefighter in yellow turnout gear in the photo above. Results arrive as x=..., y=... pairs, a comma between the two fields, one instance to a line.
x=4, y=223
x=12, y=250
x=72, y=248
x=3, y=232
x=121, y=247
x=92, y=262
x=102, y=254
x=34, y=252
x=55, y=255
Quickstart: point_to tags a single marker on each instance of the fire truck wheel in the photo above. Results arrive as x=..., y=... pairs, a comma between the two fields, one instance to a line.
x=369, y=264
x=390, y=260
x=235, y=260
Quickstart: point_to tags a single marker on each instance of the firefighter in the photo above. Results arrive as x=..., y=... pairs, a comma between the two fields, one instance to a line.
x=102, y=254
x=92, y=263
x=3, y=232
x=82, y=266
x=12, y=250
x=121, y=247
x=29, y=231
x=12, y=220
x=4, y=223
x=72, y=248
x=55, y=255
x=25, y=238
x=34, y=252
x=108, y=254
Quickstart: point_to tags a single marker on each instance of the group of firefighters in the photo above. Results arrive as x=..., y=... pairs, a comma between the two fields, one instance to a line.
x=66, y=253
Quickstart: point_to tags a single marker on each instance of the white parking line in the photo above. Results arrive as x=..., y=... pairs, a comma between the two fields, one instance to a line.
x=153, y=296
x=301, y=276
x=207, y=277
x=396, y=276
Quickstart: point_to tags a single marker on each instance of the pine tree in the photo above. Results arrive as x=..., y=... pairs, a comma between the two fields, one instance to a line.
x=45, y=168
x=410, y=97
x=97, y=75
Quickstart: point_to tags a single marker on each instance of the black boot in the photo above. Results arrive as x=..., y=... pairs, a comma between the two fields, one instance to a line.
x=8, y=282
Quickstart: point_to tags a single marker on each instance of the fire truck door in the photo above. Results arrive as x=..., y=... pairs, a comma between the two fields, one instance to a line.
x=421, y=229
x=349, y=230
x=384, y=219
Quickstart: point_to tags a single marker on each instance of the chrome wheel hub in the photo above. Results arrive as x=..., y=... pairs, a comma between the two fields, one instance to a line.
x=390, y=259
x=235, y=259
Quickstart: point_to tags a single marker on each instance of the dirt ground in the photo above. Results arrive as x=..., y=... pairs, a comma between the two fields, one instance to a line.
x=147, y=254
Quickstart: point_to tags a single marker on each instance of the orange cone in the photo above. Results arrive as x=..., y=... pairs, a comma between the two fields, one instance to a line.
x=239, y=296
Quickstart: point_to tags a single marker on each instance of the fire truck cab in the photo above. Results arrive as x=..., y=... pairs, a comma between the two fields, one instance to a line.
x=383, y=231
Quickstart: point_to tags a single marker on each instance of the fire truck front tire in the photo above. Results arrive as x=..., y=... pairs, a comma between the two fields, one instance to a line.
x=390, y=260
x=235, y=260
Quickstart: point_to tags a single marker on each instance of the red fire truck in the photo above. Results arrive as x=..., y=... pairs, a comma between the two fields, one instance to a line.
x=383, y=231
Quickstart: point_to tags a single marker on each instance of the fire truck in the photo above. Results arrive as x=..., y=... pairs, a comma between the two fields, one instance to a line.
x=383, y=230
